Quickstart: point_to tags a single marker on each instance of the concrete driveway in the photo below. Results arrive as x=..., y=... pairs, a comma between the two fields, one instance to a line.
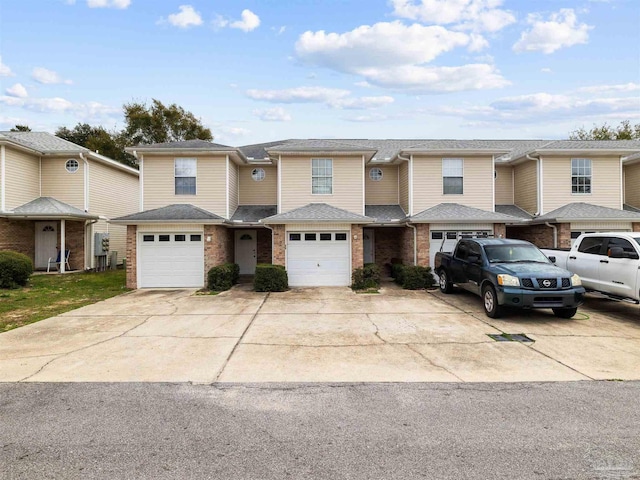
x=324, y=334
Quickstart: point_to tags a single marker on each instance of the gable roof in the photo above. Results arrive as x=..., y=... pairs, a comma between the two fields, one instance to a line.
x=580, y=212
x=385, y=213
x=48, y=207
x=514, y=211
x=43, y=142
x=253, y=213
x=184, y=144
x=317, y=213
x=456, y=213
x=176, y=213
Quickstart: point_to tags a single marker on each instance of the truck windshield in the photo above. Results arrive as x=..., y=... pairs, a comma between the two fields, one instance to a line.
x=514, y=253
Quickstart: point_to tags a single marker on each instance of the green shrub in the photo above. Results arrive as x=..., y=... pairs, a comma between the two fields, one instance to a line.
x=416, y=278
x=397, y=273
x=223, y=277
x=366, y=277
x=270, y=278
x=15, y=269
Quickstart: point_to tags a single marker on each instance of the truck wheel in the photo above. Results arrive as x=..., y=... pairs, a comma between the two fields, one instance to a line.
x=445, y=285
x=490, y=302
x=565, y=312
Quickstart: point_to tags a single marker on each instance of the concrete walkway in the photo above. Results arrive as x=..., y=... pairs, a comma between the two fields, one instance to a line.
x=319, y=335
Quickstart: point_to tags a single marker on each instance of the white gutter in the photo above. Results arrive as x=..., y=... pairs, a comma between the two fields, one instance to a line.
x=3, y=181
x=86, y=181
x=539, y=202
x=555, y=234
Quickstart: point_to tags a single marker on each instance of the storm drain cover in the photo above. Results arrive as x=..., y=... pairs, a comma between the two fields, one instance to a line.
x=510, y=337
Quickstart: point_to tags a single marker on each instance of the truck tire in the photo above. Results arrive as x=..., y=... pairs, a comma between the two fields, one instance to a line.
x=565, y=312
x=490, y=302
x=445, y=285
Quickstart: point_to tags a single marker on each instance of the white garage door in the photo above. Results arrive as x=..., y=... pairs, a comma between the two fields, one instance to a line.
x=318, y=259
x=171, y=260
x=445, y=241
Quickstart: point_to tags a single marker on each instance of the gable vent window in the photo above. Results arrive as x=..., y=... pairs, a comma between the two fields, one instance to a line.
x=452, y=176
x=185, y=176
x=257, y=174
x=580, y=175
x=72, y=165
x=375, y=174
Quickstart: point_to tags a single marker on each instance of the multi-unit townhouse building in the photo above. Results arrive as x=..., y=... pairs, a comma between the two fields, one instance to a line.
x=322, y=208
x=54, y=195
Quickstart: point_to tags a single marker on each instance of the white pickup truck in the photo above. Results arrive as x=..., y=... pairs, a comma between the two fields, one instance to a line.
x=607, y=262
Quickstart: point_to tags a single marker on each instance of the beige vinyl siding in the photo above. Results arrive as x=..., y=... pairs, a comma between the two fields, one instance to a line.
x=504, y=185
x=259, y=193
x=427, y=183
x=385, y=191
x=113, y=193
x=526, y=186
x=22, y=177
x=605, y=183
x=233, y=188
x=347, y=183
x=632, y=185
x=211, y=183
x=403, y=186
x=62, y=185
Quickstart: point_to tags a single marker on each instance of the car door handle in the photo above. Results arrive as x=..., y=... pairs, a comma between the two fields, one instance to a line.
x=604, y=261
x=572, y=258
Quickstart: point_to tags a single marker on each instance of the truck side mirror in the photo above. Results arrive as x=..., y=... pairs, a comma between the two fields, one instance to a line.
x=633, y=256
x=616, y=252
x=475, y=259
x=552, y=258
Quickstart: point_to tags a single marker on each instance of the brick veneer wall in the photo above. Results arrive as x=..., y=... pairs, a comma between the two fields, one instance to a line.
x=387, y=247
x=406, y=246
x=18, y=236
x=74, y=241
x=424, y=245
x=357, y=247
x=219, y=249
x=499, y=230
x=542, y=235
x=278, y=242
x=636, y=226
x=264, y=250
x=131, y=256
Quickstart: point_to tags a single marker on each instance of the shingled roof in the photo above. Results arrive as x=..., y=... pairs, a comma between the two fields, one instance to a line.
x=177, y=213
x=456, y=213
x=317, y=213
x=580, y=212
x=48, y=207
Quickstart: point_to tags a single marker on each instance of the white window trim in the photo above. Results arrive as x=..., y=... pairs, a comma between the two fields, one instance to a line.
x=581, y=194
x=322, y=194
x=66, y=165
x=195, y=176
x=376, y=179
x=258, y=169
x=443, y=177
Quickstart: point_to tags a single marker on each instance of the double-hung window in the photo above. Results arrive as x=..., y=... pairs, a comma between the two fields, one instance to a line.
x=321, y=176
x=580, y=175
x=452, y=176
x=185, y=176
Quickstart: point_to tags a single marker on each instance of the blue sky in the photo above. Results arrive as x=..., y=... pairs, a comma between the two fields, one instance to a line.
x=263, y=70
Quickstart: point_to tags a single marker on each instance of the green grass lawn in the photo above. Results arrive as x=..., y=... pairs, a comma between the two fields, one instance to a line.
x=49, y=295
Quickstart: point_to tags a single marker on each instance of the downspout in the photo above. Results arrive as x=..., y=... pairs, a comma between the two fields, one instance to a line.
x=622, y=181
x=3, y=182
x=86, y=181
x=539, y=189
x=555, y=234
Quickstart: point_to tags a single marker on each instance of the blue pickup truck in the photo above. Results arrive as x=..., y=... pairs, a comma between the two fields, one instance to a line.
x=509, y=273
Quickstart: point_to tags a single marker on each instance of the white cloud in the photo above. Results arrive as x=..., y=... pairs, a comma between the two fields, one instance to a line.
x=276, y=114
x=17, y=90
x=84, y=111
x=5, y=71
x=46, y=76
x=603, y=89
x=361, y=103
x=546, y=70
x=477, y=15
x=187, y=17
x=249, y=21
x=299, y=95
x=373, y=117
x=559, y=31
x=121, y=4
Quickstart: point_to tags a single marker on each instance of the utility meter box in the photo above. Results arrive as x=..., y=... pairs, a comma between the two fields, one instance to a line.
x=101, y=244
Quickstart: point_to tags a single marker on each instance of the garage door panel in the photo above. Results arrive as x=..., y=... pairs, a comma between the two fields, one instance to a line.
x=173, y=264
x=318, y=262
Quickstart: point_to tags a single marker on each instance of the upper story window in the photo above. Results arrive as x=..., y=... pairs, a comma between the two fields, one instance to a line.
x=321, y=176
x=257, y=174
x=72, y=165
x=452, y=176
x=580, y=175
x=185, y=176
x=375, y=174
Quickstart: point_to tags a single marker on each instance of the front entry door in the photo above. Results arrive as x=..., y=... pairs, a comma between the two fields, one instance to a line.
x=246, y=251
x=46, y=243
x=368, y=245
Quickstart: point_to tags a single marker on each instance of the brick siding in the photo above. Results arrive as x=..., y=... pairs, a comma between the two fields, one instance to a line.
x=422, y=236
x=542, y=235
x=357, y=247
x=219, y=249
x=263, y=246
x=278, y=242
x=406, y=246
x=636, y=226
x=499, y=230
x=131, y=256
x=18, y=236
x=74, y=241
x=387, y=247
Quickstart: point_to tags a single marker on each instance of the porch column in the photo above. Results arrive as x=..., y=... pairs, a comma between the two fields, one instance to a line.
x=63, y=249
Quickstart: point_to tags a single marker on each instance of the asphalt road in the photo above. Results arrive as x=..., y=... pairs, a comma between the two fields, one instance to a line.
x=330, y=431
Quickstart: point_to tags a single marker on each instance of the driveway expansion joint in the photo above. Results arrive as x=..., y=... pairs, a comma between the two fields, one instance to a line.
x=431, y=362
